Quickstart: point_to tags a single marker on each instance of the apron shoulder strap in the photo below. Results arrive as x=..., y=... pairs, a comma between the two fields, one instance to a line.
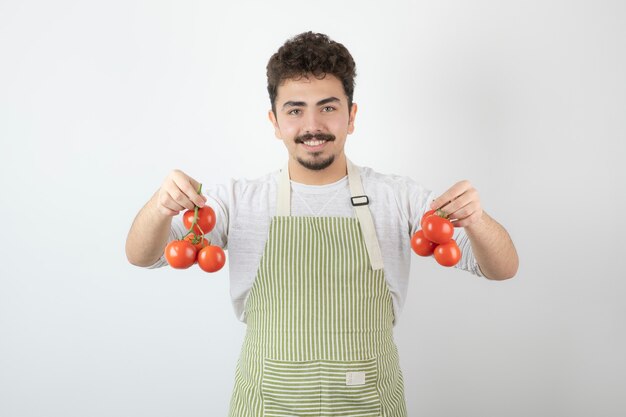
x=283, y=200
x=360, y=202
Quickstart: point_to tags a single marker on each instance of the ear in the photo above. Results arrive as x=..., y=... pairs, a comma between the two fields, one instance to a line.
x=272, y=117
x=353, y=110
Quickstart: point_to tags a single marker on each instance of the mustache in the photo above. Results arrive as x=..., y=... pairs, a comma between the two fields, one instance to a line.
x=318, y=136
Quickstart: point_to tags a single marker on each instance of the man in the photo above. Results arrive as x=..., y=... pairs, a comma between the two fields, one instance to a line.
x=319, y=252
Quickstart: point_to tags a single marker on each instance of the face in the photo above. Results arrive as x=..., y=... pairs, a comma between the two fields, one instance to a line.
x=313, y=120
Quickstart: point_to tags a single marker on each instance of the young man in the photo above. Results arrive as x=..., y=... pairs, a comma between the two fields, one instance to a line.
x=319, y=251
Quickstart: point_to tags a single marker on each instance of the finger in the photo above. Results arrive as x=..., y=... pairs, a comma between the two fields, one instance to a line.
x=472, y=218
x=176, y=194
x=170, y=204
x=189, y=188
x=451, y=194
x=459, y=211
x=465, y=212
x=458, y=208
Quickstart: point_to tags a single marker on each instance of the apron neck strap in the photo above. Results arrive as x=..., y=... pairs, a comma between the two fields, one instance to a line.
x=360, y=202
x=283, y=207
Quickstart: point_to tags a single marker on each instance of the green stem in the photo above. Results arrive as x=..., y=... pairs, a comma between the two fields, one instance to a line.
x=441, y=213
x=195, y=221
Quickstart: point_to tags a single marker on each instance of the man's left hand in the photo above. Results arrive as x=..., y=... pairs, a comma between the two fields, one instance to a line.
x=461, y=203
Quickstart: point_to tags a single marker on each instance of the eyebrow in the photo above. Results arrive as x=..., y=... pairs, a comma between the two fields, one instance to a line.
x=303, y=104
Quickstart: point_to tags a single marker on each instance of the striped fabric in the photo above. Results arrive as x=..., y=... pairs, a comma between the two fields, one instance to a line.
x=319, y=339
x=319, y=387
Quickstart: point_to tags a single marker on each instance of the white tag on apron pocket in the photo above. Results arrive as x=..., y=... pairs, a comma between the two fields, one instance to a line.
x=355, y=378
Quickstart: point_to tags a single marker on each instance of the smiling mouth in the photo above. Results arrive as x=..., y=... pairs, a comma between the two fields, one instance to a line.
x=314, y=142
x=315, y=146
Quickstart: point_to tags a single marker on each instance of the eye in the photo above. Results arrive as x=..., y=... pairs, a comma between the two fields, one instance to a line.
x=328, y=109
x=294, y=112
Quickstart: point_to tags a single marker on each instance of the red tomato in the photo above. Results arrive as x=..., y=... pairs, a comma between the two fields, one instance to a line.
x=206, y=220
x=448, y=254
x=437, y=229
x=421, y=245
x=428, y=213
x=180, y=254
x=211, y=258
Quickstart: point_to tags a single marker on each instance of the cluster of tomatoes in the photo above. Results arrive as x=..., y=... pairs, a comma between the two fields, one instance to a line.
x=435, y=238
x=193, y=247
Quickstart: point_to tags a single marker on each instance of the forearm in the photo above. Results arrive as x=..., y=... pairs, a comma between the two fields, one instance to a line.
x=148, y=235
x=493, y=248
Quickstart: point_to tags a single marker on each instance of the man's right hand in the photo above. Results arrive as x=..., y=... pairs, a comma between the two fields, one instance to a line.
x=178, y=192
x=150, y=230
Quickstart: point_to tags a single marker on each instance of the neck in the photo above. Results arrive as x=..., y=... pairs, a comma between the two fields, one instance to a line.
x=336, y=171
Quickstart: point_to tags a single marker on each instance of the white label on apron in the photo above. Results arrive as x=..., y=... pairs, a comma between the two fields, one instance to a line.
x=355, y=378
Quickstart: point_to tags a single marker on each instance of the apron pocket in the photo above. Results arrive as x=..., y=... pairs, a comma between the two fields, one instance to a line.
x=320, y=388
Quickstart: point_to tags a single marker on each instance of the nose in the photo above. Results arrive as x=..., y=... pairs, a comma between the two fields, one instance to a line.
x=313, y=122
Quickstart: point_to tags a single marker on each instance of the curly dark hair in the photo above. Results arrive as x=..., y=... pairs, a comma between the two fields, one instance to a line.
x=310, y=53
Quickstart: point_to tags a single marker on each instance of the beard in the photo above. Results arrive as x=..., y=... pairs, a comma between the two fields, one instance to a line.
x=316, y=163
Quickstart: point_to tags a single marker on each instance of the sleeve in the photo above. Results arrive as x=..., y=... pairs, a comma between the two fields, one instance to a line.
x=219, y=198
x=468, y=261
x=419, y=204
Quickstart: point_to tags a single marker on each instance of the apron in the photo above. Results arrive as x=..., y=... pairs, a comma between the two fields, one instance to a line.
x=319, y=338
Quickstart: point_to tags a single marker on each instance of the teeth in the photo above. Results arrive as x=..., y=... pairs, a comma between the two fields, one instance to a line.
x=314, y=142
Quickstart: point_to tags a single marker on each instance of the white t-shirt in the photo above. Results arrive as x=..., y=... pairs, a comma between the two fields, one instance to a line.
x=244, y=209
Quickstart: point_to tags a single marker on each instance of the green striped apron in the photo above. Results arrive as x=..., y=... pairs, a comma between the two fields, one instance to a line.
x=319, y=338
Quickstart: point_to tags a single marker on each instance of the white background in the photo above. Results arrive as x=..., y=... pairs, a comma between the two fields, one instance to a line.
x=100, y=100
